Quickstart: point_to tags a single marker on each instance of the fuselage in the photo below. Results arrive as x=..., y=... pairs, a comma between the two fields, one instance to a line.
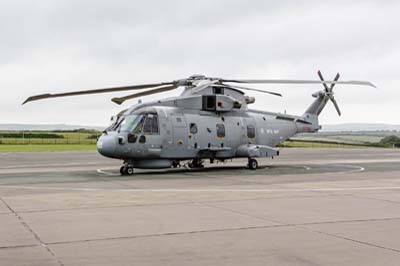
x=174, y=133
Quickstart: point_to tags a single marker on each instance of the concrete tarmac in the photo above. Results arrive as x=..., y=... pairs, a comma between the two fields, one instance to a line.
x=305, y=207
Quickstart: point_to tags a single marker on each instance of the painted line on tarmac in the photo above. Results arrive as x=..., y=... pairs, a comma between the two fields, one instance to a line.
x=49, y=165
x=356, y=169
x=206, y=190
x=100, y=171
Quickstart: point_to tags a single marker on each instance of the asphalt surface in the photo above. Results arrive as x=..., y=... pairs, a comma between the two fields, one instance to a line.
x=306, y=207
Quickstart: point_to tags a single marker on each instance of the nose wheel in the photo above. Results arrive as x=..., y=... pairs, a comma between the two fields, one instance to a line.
x=253, y=164
x=126, y=170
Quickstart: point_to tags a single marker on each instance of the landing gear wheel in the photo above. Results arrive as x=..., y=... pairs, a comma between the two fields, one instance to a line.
x=196, y=163
x=253, y=164
x=175, y=164
x=129, y=170
x=126, y=170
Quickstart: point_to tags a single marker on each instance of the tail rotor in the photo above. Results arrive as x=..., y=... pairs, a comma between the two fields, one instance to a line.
x=329, y=91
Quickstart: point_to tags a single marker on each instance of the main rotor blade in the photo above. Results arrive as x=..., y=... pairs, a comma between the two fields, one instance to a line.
x=84, y=92
x=336, y=105
x=251, y=89
x=296, y=81
x=120, y=100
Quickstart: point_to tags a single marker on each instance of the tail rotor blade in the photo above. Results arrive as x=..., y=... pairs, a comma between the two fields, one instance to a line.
x=336, y=105
x=322, y=79
x=335, y=79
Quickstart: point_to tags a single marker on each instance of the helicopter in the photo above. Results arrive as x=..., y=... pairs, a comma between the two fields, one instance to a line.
x=209, y=120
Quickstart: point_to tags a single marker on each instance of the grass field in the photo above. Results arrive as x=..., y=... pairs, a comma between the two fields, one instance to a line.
x=358, y=138
x=46, y=147
x=310, y=144
x=36, y=141
x=39, y=137
x=363, y=139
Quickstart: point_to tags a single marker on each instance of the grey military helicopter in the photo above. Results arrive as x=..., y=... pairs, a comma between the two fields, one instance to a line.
x=209, y=120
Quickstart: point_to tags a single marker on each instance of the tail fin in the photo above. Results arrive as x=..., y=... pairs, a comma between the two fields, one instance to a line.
x=318, y=104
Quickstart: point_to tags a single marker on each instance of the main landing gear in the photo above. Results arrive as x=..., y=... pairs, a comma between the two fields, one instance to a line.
x=253, y=164
x=176, y=164
x=196, y=163
x=126, y=169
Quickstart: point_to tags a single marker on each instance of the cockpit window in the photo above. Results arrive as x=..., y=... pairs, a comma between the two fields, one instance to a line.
x=138, y=128
x=132, y=123
x=151, y=124
x=147, y=125
x=114, y=123
x=138, y=123
x=154, y=125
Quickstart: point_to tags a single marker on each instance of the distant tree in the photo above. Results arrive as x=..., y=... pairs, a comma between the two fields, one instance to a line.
x=390, y=141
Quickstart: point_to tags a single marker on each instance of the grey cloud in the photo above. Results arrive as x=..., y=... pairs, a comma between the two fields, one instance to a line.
x=60, y=45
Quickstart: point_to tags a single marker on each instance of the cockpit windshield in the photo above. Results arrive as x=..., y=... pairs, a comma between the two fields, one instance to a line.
x=115, y=122
x=143, y=122
x=132, y=123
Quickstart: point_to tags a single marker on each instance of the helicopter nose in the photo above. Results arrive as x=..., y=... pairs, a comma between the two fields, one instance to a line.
x=106, y=145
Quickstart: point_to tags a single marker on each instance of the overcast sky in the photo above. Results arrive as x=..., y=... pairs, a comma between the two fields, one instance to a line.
x=55, y=46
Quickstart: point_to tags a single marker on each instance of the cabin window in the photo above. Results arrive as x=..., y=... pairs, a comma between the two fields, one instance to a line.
x=132, y=138
x=251, y=132
x=142, y=139
x=151, y=124
x=209, y=102
x=218, y=90
x=193, y=128
x=220, y=130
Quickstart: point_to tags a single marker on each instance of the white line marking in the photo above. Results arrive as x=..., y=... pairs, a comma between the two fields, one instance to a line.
x=44, y=165
x=206, y=190
x=100, y=171
x=356, y=170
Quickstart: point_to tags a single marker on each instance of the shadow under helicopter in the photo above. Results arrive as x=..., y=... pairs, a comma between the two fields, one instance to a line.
x=226, y=170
